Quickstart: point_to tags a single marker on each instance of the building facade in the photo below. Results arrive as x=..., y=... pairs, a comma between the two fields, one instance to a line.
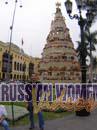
x=59, y=62
x=21, y=66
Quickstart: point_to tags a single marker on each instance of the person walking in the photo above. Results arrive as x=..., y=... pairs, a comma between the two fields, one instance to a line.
x=30, y=107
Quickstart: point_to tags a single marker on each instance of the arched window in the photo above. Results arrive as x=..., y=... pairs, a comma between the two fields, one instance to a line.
x=31, y=69
x=24, y=67
x=17, y=66
x=18, y=77
x=65, y=57
x=14, y=76
x=14, y=65
x=20, y=67
x=72, y=57
x=5, y=62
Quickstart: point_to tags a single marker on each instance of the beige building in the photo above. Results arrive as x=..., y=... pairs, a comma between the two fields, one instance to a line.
x=21, y=66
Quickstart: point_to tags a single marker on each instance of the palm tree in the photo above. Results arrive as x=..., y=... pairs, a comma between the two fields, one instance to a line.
x=78, y=50
x=94, y=63
x=90, y=42
x=90, y=38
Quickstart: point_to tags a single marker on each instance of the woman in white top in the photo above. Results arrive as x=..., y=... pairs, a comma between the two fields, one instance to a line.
x=3, y=114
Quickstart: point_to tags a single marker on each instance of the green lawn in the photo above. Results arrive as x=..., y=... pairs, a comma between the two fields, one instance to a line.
x=47, y=116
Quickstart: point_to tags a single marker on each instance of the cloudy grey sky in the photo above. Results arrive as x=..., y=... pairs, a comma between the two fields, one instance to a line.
x=32, y=23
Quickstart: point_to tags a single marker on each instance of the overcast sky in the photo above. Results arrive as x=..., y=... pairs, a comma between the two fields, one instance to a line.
x=32, y=23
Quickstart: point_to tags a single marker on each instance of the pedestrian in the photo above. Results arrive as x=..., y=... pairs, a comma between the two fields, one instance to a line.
x=40, y=114
x=29, y=105
x=3, y=114
x=31, y=108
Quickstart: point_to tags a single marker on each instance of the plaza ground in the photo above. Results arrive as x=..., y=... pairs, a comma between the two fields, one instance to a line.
x=69, y=122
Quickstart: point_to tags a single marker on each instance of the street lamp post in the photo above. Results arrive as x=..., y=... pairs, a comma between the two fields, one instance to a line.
x=9, y=51
x=82, y=22
x=10, y=42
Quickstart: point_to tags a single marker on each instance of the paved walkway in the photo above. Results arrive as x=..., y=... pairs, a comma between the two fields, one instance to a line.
x=70, y=122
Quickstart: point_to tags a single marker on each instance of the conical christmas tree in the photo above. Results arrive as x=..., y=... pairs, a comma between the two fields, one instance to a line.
x=59, y=62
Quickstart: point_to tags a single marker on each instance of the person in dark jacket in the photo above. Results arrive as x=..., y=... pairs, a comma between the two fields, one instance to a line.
x=30, y=106
x=29, y=102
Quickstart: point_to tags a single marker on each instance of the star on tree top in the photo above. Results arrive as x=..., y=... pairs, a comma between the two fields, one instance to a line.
x=58, y=4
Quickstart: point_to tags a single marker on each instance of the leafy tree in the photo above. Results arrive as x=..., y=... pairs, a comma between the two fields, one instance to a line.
x=90, y=42
x=94, y=63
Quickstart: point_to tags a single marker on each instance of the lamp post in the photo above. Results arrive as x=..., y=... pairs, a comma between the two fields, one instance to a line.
x=9, y=51
x=83, y=23
x=10, y=42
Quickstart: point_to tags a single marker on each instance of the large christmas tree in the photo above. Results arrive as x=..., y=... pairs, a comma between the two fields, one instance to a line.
x=59, y=62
